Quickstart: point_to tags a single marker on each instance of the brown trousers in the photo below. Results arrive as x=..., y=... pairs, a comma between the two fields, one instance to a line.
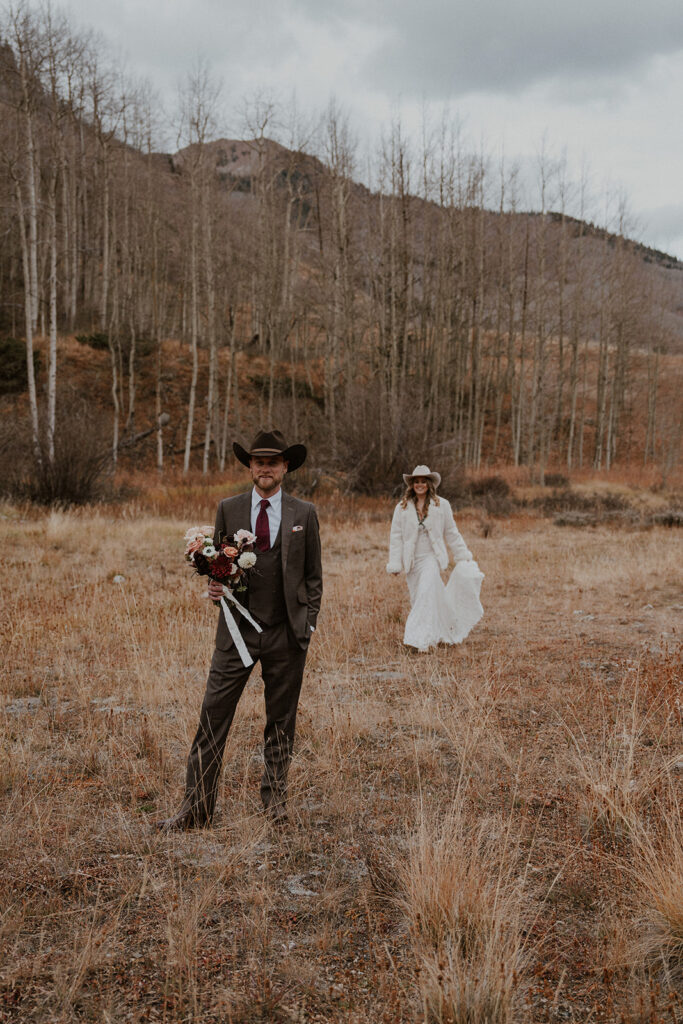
x=282, y=667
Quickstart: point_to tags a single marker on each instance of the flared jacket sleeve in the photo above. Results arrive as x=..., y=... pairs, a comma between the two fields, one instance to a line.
x=395, y=563
x=452, y=536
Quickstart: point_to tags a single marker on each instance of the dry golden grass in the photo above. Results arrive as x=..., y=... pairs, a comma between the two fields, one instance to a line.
x=484, y=834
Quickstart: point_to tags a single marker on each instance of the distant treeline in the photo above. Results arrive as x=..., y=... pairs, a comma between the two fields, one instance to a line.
x=426, y=316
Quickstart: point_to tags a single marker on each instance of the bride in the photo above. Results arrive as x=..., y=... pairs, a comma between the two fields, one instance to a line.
x=422, y=525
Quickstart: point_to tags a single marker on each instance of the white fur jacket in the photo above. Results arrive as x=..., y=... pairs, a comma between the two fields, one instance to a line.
x=441, y=529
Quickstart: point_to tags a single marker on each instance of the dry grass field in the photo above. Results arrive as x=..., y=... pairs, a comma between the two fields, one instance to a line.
x=480, y=835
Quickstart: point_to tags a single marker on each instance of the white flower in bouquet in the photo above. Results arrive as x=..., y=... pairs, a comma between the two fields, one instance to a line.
x=244, y=537
x=207, y=531
x=246, y=560
x=209, y=550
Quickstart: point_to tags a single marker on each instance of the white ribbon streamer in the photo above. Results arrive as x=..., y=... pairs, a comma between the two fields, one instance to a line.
x=238, y=641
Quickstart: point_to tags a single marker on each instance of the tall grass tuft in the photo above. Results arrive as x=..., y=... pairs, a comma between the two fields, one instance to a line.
x=618, y=769
x=658, y=871
x=463, y=903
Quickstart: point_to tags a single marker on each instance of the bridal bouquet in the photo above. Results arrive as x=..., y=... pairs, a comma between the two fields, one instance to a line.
x=229, y=563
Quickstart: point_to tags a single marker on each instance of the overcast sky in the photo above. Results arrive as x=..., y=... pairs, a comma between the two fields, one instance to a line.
x=600, y=80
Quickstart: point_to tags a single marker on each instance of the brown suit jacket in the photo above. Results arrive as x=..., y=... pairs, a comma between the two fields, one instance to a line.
x=301, y=561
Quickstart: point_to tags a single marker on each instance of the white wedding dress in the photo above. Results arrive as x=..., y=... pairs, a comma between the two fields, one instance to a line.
x=440, y=614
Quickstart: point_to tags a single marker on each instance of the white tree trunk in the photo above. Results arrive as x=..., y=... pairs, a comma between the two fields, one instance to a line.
x=28, y=319
x=52, y=356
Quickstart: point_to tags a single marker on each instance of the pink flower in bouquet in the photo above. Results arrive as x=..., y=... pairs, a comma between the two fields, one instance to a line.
x=245, y=537
x=229, y=551
x=196, y=532
x=194, y=546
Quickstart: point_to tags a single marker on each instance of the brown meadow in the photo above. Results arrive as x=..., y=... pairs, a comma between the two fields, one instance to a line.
x=490, y=833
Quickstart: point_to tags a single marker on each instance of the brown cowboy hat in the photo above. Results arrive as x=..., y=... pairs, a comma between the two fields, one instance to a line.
x=271, y=442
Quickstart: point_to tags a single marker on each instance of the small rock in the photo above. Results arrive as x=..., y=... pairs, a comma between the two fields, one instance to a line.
x=20, y=705
x=108, y=704
x=118, y=579
x=297, y=889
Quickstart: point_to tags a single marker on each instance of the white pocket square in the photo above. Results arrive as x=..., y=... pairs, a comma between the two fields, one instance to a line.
x=295, y=529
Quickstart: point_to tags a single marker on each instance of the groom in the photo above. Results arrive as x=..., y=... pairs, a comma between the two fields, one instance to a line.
x=284, y=592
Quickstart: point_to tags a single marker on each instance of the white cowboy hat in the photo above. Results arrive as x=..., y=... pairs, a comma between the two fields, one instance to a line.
x=424, y=471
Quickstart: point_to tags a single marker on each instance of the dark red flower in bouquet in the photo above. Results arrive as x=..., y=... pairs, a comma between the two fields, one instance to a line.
x=219, y=568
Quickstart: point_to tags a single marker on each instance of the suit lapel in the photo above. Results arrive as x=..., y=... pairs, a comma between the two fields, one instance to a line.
x=240, y=517
x=288, y=509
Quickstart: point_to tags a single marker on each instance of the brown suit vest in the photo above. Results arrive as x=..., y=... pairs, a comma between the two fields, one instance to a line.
x=266, y=591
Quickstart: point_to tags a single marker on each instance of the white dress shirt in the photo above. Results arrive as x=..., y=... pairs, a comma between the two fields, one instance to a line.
x=274, y=512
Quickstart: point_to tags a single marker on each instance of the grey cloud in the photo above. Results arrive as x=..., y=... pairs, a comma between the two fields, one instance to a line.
x=436, y=49
x=164, y=38
x=663, y=222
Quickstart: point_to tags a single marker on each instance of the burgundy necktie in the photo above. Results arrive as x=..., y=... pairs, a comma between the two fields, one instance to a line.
x=263, y=527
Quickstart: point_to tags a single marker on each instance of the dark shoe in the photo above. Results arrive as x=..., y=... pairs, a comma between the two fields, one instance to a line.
x=277, y=816
x=182, y=822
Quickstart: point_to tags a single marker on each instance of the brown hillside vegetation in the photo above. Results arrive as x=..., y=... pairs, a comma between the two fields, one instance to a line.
x=488, y=833
x=299, y=401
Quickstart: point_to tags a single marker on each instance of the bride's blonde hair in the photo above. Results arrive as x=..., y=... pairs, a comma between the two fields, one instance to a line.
x=410, y=495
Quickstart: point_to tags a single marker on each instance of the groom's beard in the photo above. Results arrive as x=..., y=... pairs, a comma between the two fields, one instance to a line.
x=268, y=481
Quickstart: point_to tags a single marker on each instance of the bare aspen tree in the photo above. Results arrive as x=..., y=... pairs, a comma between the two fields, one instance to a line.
x=105, y=123
x=208, y=260
x=259, y=119
x=654, y=345
x=539, y=350
x=578, y=319
x=480, y=366
x=518, y=398
x=231, y=371
x=27, y=42
x=61, y=51
x=28, y=325
x=198, y=99
x=208, y=203
x=339, y=154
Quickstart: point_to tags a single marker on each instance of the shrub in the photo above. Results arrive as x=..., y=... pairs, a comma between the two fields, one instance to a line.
x=82, y=458
x=492, y=494
x=98, y=340
x=13, y=369
x=668, y=517
x=369, y=462
x=601, y=506
x=555, y=480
